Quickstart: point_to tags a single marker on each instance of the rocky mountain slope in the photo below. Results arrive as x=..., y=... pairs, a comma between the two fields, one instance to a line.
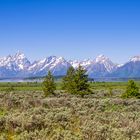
x=19, y=66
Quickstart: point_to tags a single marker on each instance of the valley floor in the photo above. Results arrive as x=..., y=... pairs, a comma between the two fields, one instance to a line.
x=28, y=115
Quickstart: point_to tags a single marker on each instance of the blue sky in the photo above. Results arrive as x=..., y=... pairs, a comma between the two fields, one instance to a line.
x=74, y=29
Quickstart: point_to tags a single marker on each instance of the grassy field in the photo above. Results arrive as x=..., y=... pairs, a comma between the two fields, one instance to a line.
x=25, y=113
x=25, y=86
x=36, y=86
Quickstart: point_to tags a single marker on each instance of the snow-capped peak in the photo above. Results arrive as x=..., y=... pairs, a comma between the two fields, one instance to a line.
x=85, y=63
x=19, y=55
x=101, y=59
x=18, y=65
x=57, y=65
x=75, y=63
x=135, y=59
x=16, y=62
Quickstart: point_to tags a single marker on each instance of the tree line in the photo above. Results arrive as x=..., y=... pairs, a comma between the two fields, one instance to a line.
x=76, y=82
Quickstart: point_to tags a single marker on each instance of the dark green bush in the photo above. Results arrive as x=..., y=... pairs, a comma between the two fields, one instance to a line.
x=132, y=90
x=9, y=89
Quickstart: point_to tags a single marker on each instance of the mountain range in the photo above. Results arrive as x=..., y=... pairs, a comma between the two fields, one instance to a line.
x=17, y=66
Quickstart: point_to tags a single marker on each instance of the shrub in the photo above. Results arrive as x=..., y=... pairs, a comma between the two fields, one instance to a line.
x=132, y=90
x=10, y=89
x=110, y=93
x=49, y=85
x=67, y=117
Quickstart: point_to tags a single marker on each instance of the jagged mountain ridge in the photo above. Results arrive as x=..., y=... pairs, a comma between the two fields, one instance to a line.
x=57, y=65
x=19, y=66
x=100, y=67
x=129, y=69
x=14, y=66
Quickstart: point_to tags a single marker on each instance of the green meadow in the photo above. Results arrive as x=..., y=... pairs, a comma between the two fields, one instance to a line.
x=37, y=86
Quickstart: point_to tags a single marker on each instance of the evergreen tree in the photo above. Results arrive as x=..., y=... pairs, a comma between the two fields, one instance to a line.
x=81, y=84
x=132, y=90
x=49, y=85
x=76, y=81
x=68, y=80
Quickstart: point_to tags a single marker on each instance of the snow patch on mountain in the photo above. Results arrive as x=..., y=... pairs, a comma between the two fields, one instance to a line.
x=135, y=59
x=57, y=65
x=108, y=64
x=85, y=63
x=19, y=66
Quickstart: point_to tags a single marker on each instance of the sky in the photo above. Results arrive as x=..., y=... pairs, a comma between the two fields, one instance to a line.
x=73, y=29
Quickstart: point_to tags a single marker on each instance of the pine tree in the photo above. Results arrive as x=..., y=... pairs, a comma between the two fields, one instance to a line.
x=81, y=84
x=76, y=81
x=132, y=90
x=49, y=85
x=68, y=80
